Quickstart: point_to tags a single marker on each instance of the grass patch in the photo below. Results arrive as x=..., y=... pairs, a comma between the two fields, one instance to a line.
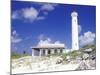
x=16, y=55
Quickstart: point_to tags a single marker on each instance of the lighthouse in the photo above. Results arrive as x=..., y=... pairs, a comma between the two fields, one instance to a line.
x=75, y=42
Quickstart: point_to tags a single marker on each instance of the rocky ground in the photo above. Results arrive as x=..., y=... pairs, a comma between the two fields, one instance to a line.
x=30, y=64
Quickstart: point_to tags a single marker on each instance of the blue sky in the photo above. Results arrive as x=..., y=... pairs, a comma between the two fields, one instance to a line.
x=33, y=22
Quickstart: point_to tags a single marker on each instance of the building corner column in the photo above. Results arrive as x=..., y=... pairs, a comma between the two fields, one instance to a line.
x=58, y=51
x=32, y=52
x=52, y=51
x=40, y=54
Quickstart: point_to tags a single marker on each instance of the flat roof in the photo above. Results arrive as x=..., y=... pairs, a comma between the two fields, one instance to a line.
x=51, y=46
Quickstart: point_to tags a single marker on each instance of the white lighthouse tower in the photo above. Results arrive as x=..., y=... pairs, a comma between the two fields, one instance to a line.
x=75, y=42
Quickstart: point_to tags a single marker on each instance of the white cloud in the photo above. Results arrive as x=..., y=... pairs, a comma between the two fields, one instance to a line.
x=46, y=40
x=30, y=13
x=87, y=38
x=57, y=42
x=79, y=29
x=47, y=7
x=14, y=33
x=15, y=38
x=14, y=15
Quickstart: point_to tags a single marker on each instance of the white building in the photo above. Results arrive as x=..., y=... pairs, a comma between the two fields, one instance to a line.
x=48, y=49
x=75, y=42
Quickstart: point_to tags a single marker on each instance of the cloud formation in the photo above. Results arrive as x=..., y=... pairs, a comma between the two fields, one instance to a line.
x=47, y=7
x=46, y=41
x=31, y=14
x=15, y=15
x=87, y=38
x=15, y=37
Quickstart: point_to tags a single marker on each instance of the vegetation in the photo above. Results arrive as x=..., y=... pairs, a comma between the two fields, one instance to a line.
x=90, y=46
x=74, y=54
x=79, y=53
x=16, y=55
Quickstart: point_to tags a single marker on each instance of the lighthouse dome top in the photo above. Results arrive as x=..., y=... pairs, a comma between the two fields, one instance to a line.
x=74, y=13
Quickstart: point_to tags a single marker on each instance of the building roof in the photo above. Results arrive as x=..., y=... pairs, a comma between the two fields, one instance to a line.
x=50, y=46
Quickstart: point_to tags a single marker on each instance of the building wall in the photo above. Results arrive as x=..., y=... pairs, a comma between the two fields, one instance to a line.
x=36, y=52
